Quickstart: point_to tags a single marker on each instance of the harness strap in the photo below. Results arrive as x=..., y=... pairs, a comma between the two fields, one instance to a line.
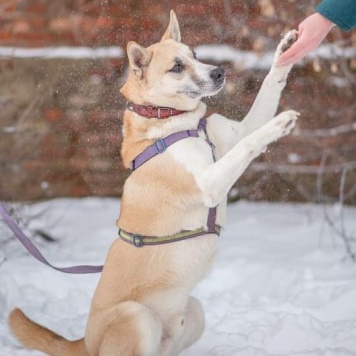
x=156, y=148
x=160, y=146
x=202, y=126
x=140, y=240
x=212, y=211
x=33, y=250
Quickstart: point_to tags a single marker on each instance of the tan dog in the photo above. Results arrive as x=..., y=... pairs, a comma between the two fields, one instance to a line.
x=142, y=305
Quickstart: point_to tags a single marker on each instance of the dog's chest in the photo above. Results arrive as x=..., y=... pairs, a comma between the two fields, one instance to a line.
x=162, y=197
x=193, y=154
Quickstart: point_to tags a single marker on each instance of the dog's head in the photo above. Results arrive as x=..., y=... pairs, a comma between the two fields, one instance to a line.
x=169, y=74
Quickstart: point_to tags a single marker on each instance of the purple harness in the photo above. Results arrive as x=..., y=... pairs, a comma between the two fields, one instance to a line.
x=155, y=149
x=161, y=145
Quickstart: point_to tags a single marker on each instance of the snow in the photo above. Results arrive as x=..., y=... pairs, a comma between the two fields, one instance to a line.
x=280, y=284
x=242, y=59
x=218, y=53
x=62, y=52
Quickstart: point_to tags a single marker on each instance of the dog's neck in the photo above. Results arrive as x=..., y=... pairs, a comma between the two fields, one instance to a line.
x=140, y=132
x=156, y=112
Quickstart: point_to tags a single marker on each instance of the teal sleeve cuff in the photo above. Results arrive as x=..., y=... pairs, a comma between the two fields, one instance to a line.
x=340, y=12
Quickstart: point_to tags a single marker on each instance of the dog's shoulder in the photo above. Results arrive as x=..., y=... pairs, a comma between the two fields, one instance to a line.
x=223, y=132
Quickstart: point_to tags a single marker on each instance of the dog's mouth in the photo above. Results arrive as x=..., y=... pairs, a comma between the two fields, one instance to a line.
x=211, y=88
x=203, y=89
x=191, y=93
x=214, y=84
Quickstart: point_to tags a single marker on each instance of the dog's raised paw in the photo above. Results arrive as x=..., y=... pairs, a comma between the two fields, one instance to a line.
x=287, y=120
x=288, y=40
x=281, y=125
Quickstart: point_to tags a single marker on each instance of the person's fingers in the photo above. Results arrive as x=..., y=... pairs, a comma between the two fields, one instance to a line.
x=292, y=58
x=312, y=32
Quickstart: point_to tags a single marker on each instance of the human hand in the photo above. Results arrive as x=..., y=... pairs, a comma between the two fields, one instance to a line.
x=312, y=32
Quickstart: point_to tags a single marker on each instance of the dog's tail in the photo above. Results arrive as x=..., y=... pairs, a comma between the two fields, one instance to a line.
x=35, y=336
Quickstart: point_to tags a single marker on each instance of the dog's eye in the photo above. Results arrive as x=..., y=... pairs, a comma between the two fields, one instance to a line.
x=178, y=68
x=194, y=55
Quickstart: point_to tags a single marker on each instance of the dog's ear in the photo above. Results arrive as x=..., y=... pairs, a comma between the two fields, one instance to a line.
x=173, y=31
x=139, y=58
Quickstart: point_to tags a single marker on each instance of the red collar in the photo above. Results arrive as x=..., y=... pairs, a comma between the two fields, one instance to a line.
x=150, y=111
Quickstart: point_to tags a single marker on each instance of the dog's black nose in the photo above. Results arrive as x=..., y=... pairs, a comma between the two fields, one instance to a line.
x=218, y=75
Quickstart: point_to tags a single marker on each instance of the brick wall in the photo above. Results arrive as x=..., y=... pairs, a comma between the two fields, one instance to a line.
x=112, y=22
x=60, y=119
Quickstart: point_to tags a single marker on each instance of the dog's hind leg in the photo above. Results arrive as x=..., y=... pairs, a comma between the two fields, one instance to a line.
x=126, y=330
x=191, y=327
x=194, y=323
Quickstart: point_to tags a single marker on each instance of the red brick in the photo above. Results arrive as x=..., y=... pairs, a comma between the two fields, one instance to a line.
x=35, y=38
x=88, y=24
x=117, y=63
x=21, y=26
x=5, y=36
x=10, y=7
x=105, y=22
x=34, y=165
x=38, y=23
x=52, y=114
x=40, y=8
x=187, y=9
x=80, y=132
x=64, y=23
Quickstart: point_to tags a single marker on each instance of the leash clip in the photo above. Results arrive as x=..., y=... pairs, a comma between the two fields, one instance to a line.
x=137, y=240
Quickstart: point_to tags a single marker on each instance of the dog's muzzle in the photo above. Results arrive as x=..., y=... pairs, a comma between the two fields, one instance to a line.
x=218, y=76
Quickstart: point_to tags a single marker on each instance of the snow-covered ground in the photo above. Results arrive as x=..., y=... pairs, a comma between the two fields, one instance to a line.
x=280, y=284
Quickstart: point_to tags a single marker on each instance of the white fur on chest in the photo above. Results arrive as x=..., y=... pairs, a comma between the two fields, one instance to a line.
x=194, y=155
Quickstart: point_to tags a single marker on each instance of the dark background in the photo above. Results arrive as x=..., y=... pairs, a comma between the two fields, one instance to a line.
x=60, y=119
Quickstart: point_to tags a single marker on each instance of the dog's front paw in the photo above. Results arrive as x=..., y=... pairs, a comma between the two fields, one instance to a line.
x=286, y=42
x=281, y=125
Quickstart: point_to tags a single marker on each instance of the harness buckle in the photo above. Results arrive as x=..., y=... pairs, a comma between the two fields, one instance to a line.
x=130, y=105
x=160, y=109
x=132, y=166
x=137, y=240
x=160, y=146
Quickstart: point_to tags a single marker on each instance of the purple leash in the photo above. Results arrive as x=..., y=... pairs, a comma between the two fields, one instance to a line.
x=33, y=250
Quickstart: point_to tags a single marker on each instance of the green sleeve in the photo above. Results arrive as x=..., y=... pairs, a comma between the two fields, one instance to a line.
x=340, y=12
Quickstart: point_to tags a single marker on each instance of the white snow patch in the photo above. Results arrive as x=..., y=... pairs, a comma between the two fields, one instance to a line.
x=241, y=59
x=217, y=53
x=276, y=288
x=62, y=52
